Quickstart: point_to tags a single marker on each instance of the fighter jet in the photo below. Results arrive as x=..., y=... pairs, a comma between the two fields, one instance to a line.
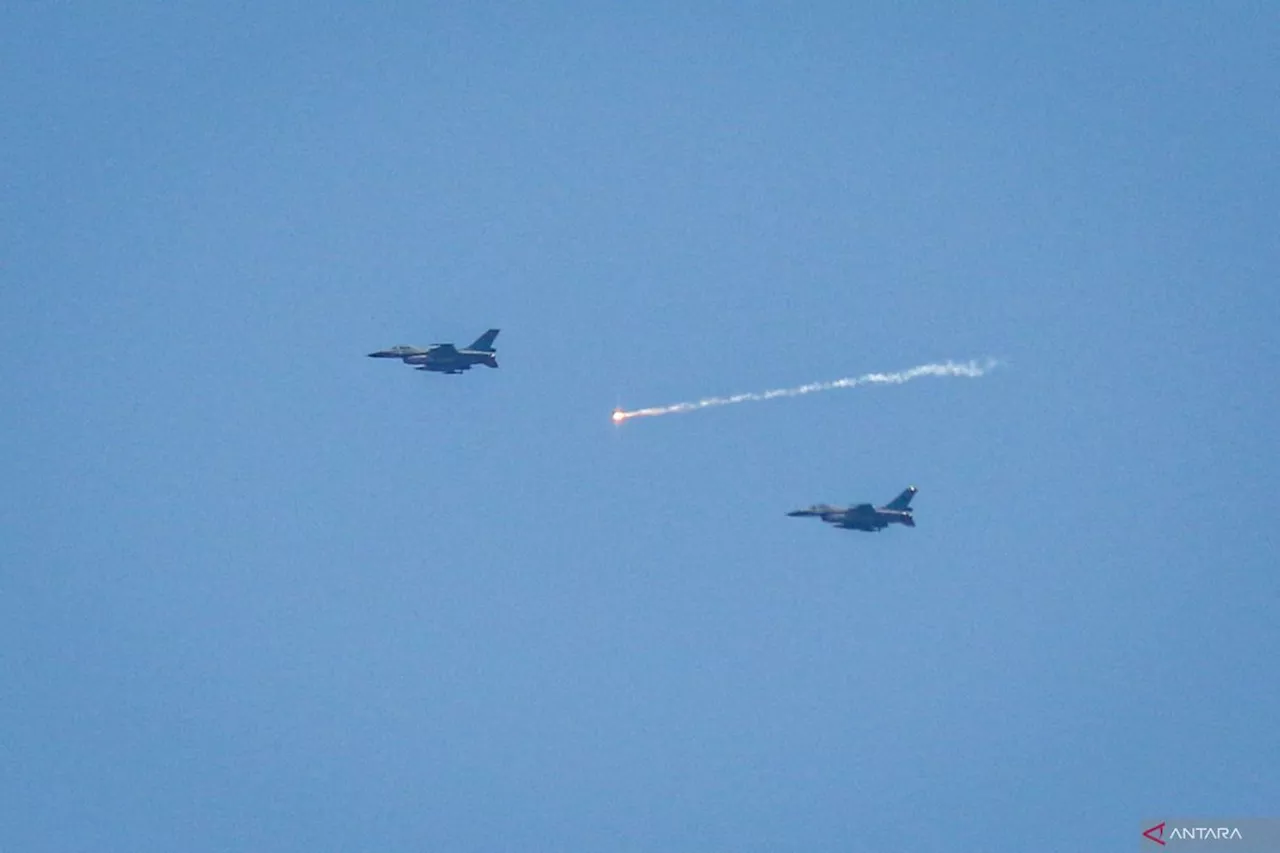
x=446, y=358
x=865, y=516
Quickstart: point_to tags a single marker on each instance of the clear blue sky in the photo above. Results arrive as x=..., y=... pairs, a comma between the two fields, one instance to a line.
x=261, y=593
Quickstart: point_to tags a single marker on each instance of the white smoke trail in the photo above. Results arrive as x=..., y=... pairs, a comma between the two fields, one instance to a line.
x=971, y=369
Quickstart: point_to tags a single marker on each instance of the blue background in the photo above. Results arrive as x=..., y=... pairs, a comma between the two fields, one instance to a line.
x=259, y=592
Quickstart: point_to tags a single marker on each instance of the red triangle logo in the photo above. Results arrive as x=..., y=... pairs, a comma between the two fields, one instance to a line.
x=1155, y=833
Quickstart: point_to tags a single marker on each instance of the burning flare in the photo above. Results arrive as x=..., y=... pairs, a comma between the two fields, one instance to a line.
x=970, y=369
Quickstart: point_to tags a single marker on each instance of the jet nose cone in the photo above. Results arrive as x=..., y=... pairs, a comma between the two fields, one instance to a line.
x=798, y=513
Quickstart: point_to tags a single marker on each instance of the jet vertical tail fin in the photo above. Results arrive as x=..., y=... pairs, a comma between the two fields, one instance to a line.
x=484, y=343
x=903, y=500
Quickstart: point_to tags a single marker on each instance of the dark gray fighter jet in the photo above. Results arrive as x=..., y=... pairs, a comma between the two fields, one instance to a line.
x=865, y=516
x=446, y=358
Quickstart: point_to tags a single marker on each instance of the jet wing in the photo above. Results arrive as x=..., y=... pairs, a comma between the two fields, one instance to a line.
x=443, y=349
x=855, y=523
x=437, y=367
x=862, y=509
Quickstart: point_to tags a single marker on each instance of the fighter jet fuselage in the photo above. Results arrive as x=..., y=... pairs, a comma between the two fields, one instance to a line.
x=864, y=516
x=446, y=358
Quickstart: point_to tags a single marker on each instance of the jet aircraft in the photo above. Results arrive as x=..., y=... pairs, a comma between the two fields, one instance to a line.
x=865, y=516
x=446, y=358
